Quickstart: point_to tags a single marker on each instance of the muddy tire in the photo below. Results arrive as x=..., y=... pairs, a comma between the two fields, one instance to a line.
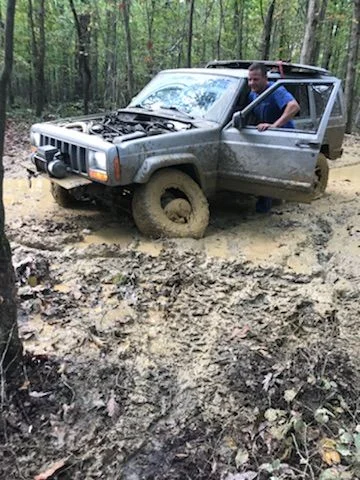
x=171, y=204
x=321, y=177
x=62, y=196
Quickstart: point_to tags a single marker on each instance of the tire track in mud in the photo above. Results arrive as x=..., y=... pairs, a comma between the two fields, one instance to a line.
x=195, y=339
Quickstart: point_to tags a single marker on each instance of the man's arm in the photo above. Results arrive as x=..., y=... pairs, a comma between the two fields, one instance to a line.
x=290, y=111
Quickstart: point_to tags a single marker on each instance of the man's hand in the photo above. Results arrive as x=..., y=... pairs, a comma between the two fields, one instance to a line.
x=263, y=126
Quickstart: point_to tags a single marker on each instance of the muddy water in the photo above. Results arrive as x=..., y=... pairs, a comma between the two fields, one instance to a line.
x=279, y=238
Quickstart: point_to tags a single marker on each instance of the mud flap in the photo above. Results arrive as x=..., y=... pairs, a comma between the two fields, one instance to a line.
x=70, y=182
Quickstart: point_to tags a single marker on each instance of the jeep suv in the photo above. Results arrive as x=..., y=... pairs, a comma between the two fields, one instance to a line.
x=189, y=134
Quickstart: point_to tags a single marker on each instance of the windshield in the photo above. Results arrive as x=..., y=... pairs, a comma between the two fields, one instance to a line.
x=192, y=94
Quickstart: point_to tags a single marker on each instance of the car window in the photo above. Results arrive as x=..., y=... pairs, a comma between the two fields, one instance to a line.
x=193, y=94
x=301, y=94
x=321, y=95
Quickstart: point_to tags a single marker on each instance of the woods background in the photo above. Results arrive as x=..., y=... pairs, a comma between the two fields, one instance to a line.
x=100, y=53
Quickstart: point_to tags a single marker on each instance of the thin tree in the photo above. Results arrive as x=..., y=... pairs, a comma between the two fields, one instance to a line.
x=308, y=46
x=265, y=45
x=351, y=64
x=82, y=23
x=239, y=8
x=190, y=33
x=38, y=52
x=125, y=5
x=10, y=345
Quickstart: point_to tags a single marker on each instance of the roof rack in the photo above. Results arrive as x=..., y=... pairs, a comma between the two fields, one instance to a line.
x=273, y=66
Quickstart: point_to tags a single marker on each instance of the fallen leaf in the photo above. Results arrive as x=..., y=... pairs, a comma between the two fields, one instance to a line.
x=289, y=395
x=242, y=457
x=55, y=467
x=266, y=381
x=39, y=394
x=25, y=385
x=272, y=414
x=32, y=281
x=249, y=475
x=330, y=474
x=112, y=406
x=328, y=451
x=240, y=332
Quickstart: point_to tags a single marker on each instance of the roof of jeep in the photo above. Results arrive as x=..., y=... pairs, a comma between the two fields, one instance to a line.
x=239, y=69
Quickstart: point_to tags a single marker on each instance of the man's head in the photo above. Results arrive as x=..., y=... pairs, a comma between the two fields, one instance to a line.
x=257, y=77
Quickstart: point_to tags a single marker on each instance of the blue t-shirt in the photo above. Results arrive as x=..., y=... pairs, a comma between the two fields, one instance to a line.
x=272, y=107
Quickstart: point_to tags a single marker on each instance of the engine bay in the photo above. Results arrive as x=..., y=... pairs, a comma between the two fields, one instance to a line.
x=121, y=125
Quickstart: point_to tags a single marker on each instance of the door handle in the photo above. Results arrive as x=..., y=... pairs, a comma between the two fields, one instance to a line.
x=302, y=144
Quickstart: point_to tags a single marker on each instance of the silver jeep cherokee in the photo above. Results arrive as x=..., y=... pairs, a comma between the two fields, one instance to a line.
x=189, y=134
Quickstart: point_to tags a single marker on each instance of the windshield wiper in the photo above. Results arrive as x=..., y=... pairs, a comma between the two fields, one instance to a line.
x=176, y=109
x=138, y=105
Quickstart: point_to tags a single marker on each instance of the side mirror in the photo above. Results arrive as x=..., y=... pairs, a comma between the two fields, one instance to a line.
x=238, y=121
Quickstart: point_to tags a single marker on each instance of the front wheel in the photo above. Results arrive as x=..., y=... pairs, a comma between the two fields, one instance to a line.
x=321, y=177
x=62, y=196
x=171, y=204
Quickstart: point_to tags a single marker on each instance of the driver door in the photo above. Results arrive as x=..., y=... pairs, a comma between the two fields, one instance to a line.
x=279, y=162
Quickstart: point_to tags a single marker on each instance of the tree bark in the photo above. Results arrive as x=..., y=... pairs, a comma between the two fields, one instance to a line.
x=190, y=33
x=82, y=23
x=10, y=345
x=38, y=52
x=265, y=46
x=130, y=67
x=321, y=18
x=238, y=27
x=307, y=51
x=351, y=65
x=150, y=16
x=221, y=21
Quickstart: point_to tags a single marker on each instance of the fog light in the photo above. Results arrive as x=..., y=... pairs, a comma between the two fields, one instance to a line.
x=98, y=175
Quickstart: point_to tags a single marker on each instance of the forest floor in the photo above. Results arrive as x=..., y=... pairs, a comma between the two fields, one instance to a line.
x=233, y=357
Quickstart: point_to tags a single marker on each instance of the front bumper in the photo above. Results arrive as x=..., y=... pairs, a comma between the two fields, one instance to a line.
x=70, y=181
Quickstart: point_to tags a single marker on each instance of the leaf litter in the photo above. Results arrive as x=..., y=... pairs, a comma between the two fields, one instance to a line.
x=179, y=365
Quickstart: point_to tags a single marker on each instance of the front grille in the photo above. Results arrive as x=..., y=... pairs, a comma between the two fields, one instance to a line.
x=76, y=157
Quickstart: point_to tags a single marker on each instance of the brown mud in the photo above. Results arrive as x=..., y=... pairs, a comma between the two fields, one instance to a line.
x=231, y=357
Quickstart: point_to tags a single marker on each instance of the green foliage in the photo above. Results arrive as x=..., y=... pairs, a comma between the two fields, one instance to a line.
x=159, y=31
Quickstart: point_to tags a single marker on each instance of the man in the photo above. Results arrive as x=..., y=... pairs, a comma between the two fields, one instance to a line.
x=276, y=111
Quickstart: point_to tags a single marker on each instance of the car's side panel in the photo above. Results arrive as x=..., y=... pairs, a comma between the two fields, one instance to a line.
x=277, y=162
x=198, y=147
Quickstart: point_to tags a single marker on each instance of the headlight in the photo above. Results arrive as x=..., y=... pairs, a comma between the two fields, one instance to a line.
x=97, y=160
x=35, y=139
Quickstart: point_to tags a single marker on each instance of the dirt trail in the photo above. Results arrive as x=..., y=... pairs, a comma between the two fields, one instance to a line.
x=186, y=359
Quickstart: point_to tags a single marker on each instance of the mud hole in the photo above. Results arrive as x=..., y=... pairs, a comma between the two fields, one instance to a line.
x=231, y=357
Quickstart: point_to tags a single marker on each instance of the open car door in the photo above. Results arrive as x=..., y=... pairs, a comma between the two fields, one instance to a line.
x=278, y=162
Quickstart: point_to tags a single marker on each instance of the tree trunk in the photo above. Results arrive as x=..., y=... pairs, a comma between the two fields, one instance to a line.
x=321, y=18
x=265, y=46
x=150, y=15
x=82, y=23
x=130, y=68
x=307, y=51
x=38, y=52
x=221, y=20
x=351, y=65
x=190, y=33
x=238, y=27
x=10, y=345
x=328, y=51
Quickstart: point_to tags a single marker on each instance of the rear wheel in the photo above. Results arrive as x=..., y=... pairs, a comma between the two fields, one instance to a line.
x=321, y=177
x=171, y=204
x=62, y=196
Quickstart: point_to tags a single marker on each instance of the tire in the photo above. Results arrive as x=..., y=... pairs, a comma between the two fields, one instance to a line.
x=171, y=204
x=321, y=177
x=62, y=196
